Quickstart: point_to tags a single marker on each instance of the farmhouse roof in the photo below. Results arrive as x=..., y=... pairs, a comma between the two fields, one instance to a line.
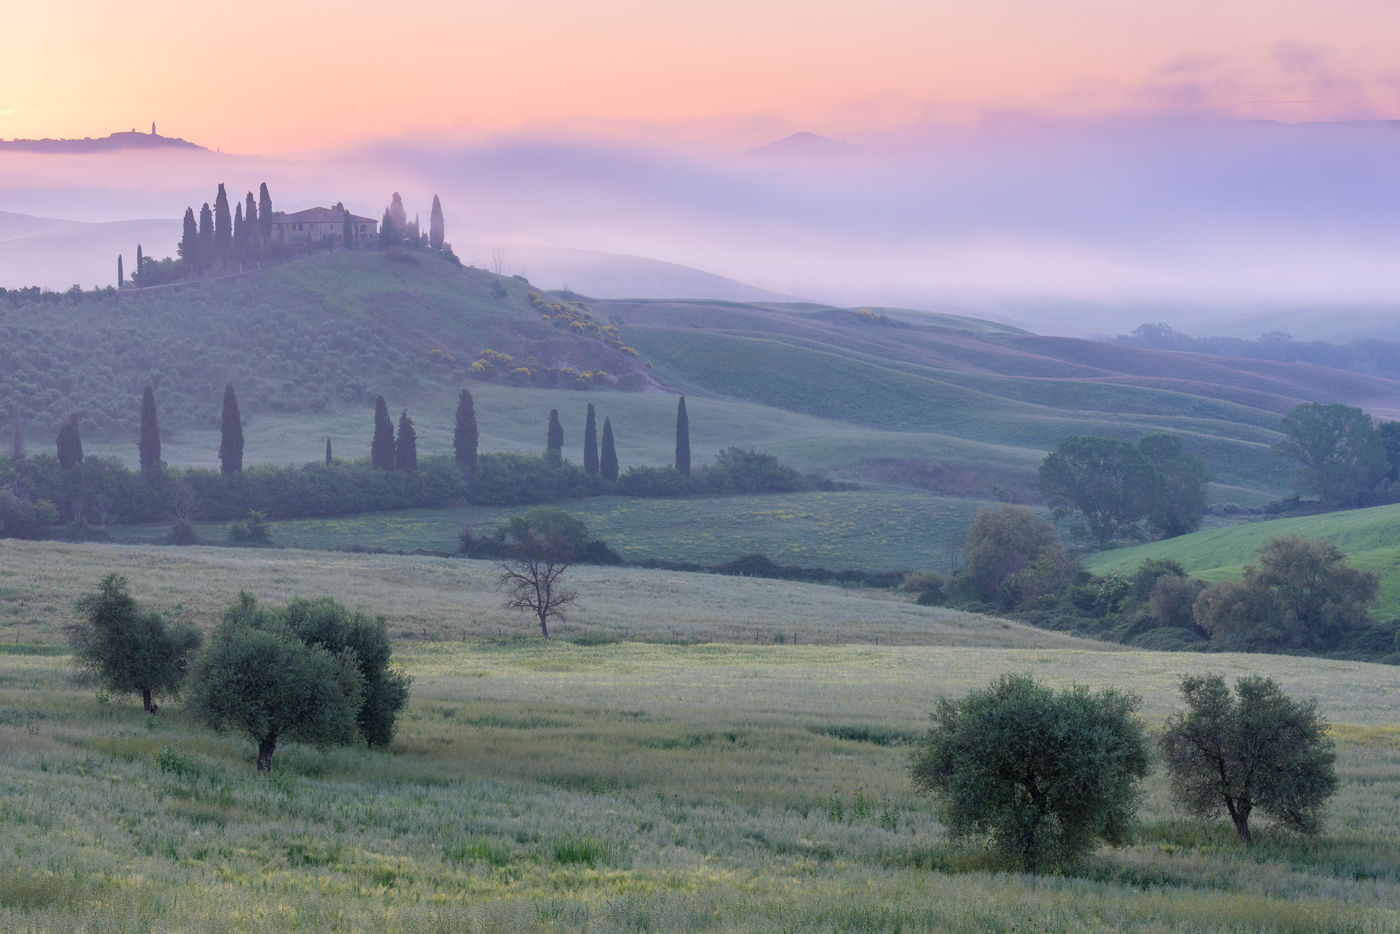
x=321, y=216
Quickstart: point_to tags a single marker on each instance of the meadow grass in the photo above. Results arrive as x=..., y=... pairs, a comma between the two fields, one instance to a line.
x=632, y=787
x=1370, y=538
x=429, y=598
x=876, y=530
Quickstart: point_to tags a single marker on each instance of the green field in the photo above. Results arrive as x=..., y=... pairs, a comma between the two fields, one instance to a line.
x=1370, y=538
x=625, y=786
x=876, y=530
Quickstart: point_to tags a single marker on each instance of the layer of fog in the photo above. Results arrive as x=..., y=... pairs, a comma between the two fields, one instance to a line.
x=1213, y=228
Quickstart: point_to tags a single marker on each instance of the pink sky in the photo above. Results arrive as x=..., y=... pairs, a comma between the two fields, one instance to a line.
x=274, y=76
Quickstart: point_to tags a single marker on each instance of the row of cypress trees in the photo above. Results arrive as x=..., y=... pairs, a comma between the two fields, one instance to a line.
x=594, y=464
x=70, y=442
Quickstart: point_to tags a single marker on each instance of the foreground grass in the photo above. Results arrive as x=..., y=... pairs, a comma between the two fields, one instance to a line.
x=1370, y=538
x=628, y=787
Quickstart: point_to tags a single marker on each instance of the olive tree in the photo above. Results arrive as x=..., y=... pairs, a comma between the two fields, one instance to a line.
x=1012, y=555
x=128, y=650
x=1260, y=749
x=273, y=686
x=1042, y=773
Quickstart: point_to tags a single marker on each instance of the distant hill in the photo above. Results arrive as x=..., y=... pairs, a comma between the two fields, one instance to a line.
x=938, y=402
x=614, y=275
x=55, y=254
x=111, y=143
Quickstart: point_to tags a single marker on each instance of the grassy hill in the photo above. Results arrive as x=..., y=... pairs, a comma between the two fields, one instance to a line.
x=1370, y=538
x=950, y=404
x=620, y=786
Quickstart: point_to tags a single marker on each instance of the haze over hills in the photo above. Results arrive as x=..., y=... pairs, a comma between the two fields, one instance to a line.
x=112, y=142
x=1231, y=229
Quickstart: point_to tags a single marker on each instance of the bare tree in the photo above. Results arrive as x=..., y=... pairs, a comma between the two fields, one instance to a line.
x=540, y=553
x=499, y=257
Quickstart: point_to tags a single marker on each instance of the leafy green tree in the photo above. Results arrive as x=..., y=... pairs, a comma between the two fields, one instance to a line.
x=328, y=625
x=464, y=434
x=381, y=449
x=23, y=518
x=437, y=230
x=256, y=675
x=542, y=544
x=149, y=442
x=607, y=462
x=590, y=442
x=406, y=447
x=1102, y=478
x=1340, y=453
x=554, y=439
x=397, y=213
x=1012, y=554
x=264, y=212
x=1043, y=774
x=70, y=445
x=231, y=434
x=1390, y=439
x=223, y=227
x=1175, y=497
x=682, y=438
x=1260, y=749
x=1300, y=596
x=127, y=650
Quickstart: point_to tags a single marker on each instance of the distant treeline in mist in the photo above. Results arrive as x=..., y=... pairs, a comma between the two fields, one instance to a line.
x=1367, y=355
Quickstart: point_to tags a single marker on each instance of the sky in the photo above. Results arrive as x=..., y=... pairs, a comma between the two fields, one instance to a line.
x=1076, y=167
x=277, y=78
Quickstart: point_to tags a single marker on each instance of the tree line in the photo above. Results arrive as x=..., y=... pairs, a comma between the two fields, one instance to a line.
x=38, y=492
x=1299, y=597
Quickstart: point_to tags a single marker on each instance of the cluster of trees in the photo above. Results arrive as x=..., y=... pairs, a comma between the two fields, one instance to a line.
x=218, y=239
x=1344, y=458
x=1118, y=487
x=92, y=491
x=1300, y=597
x=1045, y=775
x=1367, y=355
x=397, y=231
x=312, y=670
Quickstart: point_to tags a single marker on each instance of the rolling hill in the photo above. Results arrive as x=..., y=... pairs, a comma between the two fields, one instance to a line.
x=939, y=402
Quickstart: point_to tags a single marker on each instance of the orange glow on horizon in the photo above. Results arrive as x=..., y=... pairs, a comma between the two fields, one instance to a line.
x=306, y=76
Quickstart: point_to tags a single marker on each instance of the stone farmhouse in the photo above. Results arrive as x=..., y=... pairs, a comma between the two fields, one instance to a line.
x=315, y=224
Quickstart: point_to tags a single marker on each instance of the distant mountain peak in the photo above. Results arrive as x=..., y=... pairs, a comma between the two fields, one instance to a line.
x=110, y=143
x=801, y=145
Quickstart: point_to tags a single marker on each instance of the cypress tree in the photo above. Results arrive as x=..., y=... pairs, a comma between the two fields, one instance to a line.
x=590, y=443
x=347, y=229
x=381, y=450
x=136, y=273
x=607, y=465
x=121, y=276
x=387, y=235
x=205, y=247
x=464, y=435
x=264, y=213
x=231, y=443
x=149, y=443
x=240, y=234
x=251, y=237
x=436, y=228
x=189, y=242
x=70, y=445
x=554, y=441
x=223, y=226
x=328, y=452
x=682, y=438
x=406, y=448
